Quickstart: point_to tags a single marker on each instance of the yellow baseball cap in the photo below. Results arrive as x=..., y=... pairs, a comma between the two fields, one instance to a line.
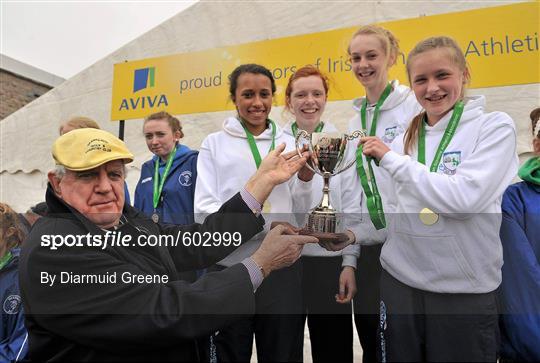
x=88, y=148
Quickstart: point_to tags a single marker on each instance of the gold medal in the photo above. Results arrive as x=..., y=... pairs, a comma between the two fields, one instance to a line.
x=155, y=217
x=428, y=217
x=267, y=207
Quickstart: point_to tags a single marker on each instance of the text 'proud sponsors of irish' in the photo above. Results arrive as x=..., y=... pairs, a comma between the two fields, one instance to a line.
x=492, y=38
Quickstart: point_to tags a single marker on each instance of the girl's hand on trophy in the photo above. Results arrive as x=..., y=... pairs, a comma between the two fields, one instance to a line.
x=347, y=285
x=374, y=147
x=332, y=241
x=305, y=174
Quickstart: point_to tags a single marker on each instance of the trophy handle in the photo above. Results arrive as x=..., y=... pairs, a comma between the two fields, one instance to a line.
x=305, y=135
x=355, y=134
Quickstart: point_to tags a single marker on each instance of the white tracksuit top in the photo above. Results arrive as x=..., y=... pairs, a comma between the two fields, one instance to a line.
x=224, y=166
x=461, y=252
x=340, y=200
x=395, y=114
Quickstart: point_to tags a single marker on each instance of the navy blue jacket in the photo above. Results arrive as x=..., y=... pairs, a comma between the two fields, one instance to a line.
x=520, y=288
x=176, y=202
x=13, y=336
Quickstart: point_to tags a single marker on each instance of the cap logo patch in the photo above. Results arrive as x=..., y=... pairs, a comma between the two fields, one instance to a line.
x=98, y=144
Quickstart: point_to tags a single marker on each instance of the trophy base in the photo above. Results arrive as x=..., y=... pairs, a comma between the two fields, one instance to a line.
x=323, y=237
x=322, y=222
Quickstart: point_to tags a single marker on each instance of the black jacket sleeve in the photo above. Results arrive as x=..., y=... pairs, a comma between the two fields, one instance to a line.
x=202, y=245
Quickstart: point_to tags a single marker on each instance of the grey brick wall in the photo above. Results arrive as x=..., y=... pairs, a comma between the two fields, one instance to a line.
x=17, y=91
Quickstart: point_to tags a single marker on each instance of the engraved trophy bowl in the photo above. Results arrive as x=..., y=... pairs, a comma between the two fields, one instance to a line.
x=328, y=153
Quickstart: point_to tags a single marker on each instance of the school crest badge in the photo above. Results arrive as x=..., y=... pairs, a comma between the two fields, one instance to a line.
x=450, y=162
x=390, y=134
x=12, y=304
x=185, y=178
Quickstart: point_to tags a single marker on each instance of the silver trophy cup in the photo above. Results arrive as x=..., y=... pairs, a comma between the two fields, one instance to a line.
x=328, y=153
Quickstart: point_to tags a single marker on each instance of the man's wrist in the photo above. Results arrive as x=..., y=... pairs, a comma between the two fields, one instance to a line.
x=256, y=274
x=264, y=269
x=251, y=202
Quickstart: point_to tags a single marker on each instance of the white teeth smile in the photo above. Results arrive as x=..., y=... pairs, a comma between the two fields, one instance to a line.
x=309, y=111
x=366, y=74
x=435, y=98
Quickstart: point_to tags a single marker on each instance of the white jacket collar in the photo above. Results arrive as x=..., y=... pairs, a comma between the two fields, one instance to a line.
x=233, y=127
x=395, y=98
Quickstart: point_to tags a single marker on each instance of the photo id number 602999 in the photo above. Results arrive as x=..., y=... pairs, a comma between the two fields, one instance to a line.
x=211, y=239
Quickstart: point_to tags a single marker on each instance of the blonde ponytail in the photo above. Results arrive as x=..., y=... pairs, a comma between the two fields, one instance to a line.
x=411, y=135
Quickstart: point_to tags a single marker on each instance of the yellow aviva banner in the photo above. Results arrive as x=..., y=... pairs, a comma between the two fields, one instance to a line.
x=501, y=46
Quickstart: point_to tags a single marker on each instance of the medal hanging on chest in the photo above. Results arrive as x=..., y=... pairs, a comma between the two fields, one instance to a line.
x=159, y=182
x=426, y=215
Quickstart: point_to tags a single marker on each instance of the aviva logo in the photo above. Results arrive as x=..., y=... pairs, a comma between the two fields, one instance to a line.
x=144, y=78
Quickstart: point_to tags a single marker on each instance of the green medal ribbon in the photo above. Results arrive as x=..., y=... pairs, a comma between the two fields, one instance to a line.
x=294, y=128
x=448, y=134
x=374, y=200
x=158, y=184
x=5, y=260
x=253, y=144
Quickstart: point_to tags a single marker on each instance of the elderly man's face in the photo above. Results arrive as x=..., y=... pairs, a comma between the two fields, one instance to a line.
x=97, y=193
